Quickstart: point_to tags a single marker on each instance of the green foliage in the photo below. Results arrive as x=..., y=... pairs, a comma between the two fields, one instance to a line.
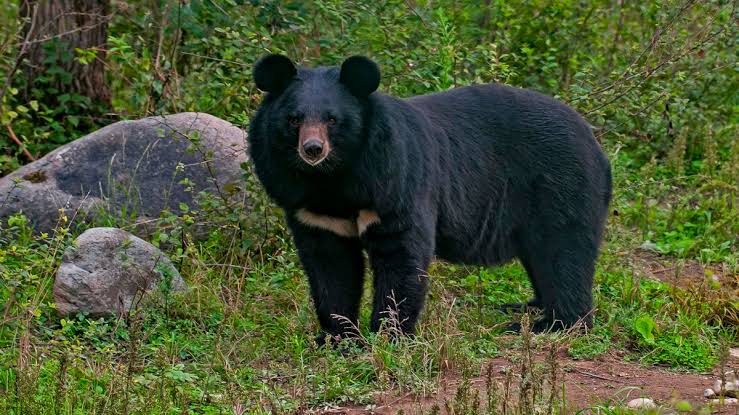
x=38, y=113
x=591, y=345
x=645, y=326
x=691, y=214
x=644, y=73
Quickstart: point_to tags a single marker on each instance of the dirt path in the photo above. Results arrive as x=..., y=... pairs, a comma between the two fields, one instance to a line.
x=607, y=380
x=687, y=273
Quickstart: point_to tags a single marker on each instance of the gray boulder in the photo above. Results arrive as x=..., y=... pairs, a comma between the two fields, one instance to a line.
x=108, y=270
x=134, y=167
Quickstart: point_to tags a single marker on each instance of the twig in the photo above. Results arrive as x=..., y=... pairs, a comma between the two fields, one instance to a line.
x=413, y=9
x=601, y=134
x=103, y=19
x=649, y=72
x=11, y=298
x=160, y=40
x=19, y=58
x=18, y=141
x=593, y=375
x=214, y=59
x=649, y=48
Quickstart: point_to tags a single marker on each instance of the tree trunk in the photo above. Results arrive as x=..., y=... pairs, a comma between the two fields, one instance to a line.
x=54, y=30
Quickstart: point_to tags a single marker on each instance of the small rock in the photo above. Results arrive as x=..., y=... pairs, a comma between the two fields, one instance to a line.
x=623, y=375
x=732, y=389
x=107, y=269
x=649, y=246
x=734, y=352
x=731, y=375
x=641, y=403
x=718, y=386
x=724, y=401
x=709, y=393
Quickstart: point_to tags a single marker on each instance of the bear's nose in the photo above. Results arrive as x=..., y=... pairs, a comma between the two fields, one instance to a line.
x=313, y=149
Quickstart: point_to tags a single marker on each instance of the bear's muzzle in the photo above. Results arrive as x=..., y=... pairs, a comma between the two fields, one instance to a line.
x=313, y=144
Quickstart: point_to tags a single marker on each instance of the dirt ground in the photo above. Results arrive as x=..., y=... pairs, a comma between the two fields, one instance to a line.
x=608, y=379
x=683, y=273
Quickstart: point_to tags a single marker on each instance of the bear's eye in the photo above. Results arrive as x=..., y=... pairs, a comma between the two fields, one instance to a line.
x=331, y=120
x=293, y=120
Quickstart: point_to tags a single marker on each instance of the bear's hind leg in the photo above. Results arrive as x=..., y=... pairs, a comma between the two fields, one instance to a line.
x=519, y=307
x=561, y=267
x=532, y=303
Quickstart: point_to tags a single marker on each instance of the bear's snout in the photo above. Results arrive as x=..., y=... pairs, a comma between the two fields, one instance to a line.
x=313, y=145
x=313, y=149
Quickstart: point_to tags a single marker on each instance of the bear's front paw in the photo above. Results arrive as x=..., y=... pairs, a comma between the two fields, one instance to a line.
x=324, y=338
x=513, y=327
x=539, y=326
x=531, y=305
x=345, y=344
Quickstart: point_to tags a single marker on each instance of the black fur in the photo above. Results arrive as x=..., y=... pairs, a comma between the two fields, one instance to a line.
x=273, y=72
x=474, y=175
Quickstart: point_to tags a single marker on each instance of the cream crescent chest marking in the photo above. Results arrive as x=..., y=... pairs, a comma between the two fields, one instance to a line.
x=340, y=226
x=365, y=219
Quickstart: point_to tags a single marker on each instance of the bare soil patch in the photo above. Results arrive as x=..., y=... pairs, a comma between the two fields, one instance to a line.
x=607, y=380
x=684, y=273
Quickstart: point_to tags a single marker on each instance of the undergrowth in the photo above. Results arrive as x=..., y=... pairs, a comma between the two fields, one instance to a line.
x=241, y=338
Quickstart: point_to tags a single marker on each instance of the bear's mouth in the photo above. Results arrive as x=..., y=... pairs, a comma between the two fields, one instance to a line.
x=313, y=144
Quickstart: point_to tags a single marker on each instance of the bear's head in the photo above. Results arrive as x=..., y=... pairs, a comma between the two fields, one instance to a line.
x=316, y=117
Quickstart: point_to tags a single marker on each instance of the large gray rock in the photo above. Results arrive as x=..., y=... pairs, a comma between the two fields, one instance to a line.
x=108, y=270
x=136, y=167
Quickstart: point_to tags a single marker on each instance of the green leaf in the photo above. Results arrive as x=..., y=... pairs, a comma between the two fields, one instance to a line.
x=645, y=326
x=683, y=406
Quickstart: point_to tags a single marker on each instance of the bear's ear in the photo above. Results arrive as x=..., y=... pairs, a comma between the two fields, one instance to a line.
x=361, y=75
x=272, y=73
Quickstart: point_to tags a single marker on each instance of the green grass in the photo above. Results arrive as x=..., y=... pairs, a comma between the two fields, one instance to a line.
x=241, y=338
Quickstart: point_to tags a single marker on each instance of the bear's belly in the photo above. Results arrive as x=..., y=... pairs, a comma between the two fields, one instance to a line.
x=488, y=248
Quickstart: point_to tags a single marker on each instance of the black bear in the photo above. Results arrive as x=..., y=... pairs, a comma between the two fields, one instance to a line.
x=474, y=175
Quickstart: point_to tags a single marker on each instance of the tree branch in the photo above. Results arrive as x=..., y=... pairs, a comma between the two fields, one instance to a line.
x=19, y=142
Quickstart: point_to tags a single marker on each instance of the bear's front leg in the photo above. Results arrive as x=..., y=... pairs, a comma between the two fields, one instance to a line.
x=400, y=262
x=335, y=268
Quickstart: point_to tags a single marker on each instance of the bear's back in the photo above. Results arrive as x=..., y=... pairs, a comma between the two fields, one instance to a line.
x=502, y=149
x=521, y=131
